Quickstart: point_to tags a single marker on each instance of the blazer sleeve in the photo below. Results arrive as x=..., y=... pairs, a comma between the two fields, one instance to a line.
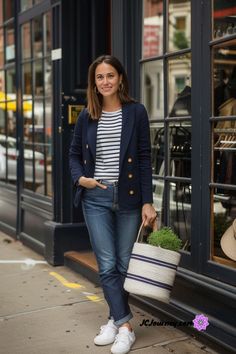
x=76, y=150
x=144, y=155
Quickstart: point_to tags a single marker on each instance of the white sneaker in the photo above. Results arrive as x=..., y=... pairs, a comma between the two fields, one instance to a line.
x=107, y=334
x=123, y=342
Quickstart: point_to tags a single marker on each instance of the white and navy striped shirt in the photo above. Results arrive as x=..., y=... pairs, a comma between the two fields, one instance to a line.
x=108, y=146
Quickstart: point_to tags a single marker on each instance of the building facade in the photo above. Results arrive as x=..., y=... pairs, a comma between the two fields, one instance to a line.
x=180, y=56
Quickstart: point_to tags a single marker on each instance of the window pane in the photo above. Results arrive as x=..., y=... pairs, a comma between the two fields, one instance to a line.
x=224, y=152
x=2, y=85
x=9, y=9
x=224, y=18
x=11, y=148
x=26, y=38
x=40, y=166
x=153, y=89
x=1, y=48
x=26, y=4
x=48, y=34
x=224, y=79
x=11, y=82
x=48, y=140
x=157, y=145
x=38, y=37
x=179, y=91
x=27, y=112
x=158, y=198
x=223, y=209
x=180, y=149
x=180, y=211
x=152, y=28
x=38, y=78
x=38, y=121
x=26, y=79
x=2, y=118
x=3, y=155
x=179, y=25
x=1, y=12
x=48, y=77
x=28, y=166
x=10, y=43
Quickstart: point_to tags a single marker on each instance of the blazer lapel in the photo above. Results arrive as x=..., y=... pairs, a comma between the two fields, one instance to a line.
x=92, y=135
x=128, y=118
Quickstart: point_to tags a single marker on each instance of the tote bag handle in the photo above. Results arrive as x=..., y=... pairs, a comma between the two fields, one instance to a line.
x=155, y=226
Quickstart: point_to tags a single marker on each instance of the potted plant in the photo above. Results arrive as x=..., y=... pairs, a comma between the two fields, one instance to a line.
x=165, y=238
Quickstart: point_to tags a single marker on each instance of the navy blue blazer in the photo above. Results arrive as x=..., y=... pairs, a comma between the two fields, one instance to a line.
x=135, y=178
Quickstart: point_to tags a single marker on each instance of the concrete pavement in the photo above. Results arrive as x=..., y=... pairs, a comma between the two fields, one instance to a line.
x=53, y=310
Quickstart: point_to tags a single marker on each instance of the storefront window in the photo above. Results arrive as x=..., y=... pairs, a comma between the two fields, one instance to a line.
x=36, y=88
x=179, y=73
x=152, y=28
x=11, y=82
x=179, y=25
x=223, y=198
x=224, y=18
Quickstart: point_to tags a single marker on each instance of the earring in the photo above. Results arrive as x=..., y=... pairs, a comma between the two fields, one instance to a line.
x=121, y=87
x=95, y=89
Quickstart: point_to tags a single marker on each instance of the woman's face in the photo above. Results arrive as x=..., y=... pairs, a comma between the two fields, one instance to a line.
x=107, y=80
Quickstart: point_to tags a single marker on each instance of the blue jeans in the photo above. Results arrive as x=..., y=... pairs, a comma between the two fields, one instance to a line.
x=112, y=234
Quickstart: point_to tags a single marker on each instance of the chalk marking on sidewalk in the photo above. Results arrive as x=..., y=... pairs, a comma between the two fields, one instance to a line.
x=65, y=282
x=28, y=262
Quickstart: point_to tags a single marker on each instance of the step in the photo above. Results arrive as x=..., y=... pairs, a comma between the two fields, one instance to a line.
x=83, y=262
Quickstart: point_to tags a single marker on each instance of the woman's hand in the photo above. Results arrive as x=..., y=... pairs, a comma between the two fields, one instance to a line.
x=149, y=216
x=90, y=183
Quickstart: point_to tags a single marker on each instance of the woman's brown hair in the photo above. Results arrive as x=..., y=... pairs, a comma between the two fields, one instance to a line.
x=94, y=98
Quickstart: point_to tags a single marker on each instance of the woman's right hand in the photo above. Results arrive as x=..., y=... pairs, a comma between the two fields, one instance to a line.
x=90, y=183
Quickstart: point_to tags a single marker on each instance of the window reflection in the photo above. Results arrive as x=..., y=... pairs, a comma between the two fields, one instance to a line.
x=180, y=149
x=179, y=24
x=224, y=79
x=179, y=73
x=180, y=211
x=48, y=33
x=223, y=208
x=153, y=90
x=224, y=18
x=152, y=28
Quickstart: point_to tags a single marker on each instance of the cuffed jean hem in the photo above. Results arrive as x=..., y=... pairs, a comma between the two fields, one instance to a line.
x=123, y=320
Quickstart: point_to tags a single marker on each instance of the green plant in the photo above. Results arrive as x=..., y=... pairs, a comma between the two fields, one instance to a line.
x=165, y=238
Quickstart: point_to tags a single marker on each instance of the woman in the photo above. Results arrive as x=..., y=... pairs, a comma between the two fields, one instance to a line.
x=110, y=161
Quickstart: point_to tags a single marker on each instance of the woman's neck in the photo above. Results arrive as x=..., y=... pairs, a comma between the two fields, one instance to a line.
x=111, y=105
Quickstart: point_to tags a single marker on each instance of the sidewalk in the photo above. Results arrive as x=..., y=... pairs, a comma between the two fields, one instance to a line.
x=53, y=310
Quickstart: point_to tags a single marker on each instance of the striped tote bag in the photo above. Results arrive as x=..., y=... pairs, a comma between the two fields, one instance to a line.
x=151, y=271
